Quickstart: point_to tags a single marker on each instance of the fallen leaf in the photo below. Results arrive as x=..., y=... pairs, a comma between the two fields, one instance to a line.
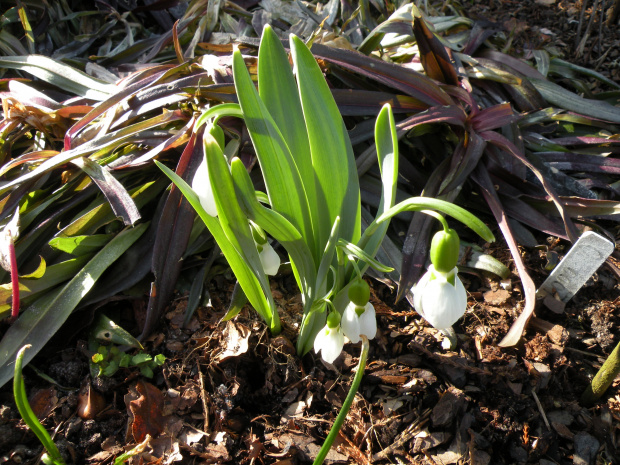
x=145, y=408
x=236, y=340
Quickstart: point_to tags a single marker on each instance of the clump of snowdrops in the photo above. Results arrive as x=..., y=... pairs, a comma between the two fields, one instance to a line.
x=311, y=206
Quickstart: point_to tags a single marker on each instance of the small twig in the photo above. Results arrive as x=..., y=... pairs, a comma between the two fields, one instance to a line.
x=203, y=398
x=540, y=409
x=582, y=44
x=581, y=18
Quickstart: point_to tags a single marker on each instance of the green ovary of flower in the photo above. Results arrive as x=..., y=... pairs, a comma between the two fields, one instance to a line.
x=359, y=292
x=445, y=250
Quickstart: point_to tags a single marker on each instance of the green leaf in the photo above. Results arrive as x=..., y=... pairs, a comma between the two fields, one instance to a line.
x=427, y=203
x=21, y=400
x=566, y=99
x=244, y=274
x=280, y=172
x=43, y=319
x=234, y=223
x=278, y=90
x=278, y=227
x=105, y=330
x=80, y=245
x=355, y=251
x=386, y=142
x=38, y=273
x=337, y=184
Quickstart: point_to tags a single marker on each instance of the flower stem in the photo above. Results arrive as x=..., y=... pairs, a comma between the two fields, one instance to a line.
x=439, y=217
x=603, y=379
x=333, y=432
x=14, y=281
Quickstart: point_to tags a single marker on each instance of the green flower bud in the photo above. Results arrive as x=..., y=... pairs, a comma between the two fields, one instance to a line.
x=445, y=250
x=333, y=320
x=359, y=292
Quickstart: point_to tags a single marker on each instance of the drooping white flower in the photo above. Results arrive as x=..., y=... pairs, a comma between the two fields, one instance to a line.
x=359, y=320
x=329, y=341
x=269, y=259
x=440, y=297
x=201, y=184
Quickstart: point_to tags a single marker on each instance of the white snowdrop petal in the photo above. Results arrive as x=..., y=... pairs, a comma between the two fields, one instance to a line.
x=350, y=323
x=329, y=341
x=438, y=301
x=368, y=322
x=270, y=260
x=202, y=186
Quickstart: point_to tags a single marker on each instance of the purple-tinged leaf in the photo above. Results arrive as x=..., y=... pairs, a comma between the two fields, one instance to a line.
x=463, y=161
x=452, y=114
x=107, y=104
x=569, y=161
x=506, y=145
x=433, y=54
x=515, y=63
x=354, y=102
x=406, y=80
x=481, y=177
x=121, y=202
x=494, y=117
x=173, y=233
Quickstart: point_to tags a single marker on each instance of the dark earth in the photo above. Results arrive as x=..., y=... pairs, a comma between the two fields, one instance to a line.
x=229, y=392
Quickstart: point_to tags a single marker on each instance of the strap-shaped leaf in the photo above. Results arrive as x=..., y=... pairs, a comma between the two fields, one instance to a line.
x=386, y=142
x=43, y=319
x=282, y=177
x=337, y=184
x=60, y=75
x=278, y=227
x=233, y=220
x=278, y=90
x=244, y=274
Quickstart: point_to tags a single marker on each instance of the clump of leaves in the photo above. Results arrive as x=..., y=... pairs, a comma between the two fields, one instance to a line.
x=109, y=359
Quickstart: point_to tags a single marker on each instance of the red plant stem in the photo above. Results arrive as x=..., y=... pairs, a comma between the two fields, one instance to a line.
x=14, y=281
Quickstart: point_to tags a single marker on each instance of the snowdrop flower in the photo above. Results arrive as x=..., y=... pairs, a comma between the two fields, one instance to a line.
x=440, y=298
x=269, y=259
x=202, y=186
x=330, y=340
x=357, y=321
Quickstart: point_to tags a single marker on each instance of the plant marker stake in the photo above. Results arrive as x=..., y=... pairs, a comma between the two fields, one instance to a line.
x=581, y=261
x=14, y=281
x=346, y=405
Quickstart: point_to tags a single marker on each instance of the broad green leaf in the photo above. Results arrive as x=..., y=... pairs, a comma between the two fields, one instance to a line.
x=278, y=90
x=44, y=318
x=235, y=224
x=278, y=227
x=563, y=98
x=336, y=180
x=282, y=178
x=244, y=274
x=80, y=245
